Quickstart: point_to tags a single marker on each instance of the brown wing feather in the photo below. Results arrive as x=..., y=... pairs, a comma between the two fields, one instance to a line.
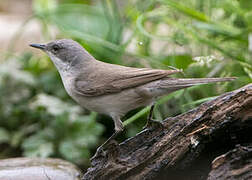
x=110, y=78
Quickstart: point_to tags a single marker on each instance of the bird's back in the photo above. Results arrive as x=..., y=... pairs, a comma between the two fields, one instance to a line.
x=110, y=78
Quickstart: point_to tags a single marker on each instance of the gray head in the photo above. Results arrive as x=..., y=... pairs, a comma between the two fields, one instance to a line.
x=65, y=53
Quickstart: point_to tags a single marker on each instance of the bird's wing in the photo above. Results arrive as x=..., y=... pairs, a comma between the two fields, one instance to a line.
x=109, y=78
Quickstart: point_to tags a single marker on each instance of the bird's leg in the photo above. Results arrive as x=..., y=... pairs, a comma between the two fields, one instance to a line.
x=100, y=149
x=150, y=120
x=118, y=129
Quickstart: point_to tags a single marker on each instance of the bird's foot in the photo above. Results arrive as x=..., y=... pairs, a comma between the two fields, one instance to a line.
x=151, y=122
x=100, y=152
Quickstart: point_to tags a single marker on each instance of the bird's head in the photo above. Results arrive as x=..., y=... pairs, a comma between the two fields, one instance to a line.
x=65, y=53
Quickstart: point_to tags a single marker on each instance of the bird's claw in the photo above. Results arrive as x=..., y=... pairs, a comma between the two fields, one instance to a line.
x=102, y=150
x=99, y=152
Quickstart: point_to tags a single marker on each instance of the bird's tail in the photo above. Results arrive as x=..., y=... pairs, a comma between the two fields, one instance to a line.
x=169, y=85
x=183, y=83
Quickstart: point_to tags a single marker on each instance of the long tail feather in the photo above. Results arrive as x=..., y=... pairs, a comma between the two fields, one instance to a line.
x=173, y=83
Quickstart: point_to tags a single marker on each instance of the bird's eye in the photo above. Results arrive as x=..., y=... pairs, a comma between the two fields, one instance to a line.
x=55, y=48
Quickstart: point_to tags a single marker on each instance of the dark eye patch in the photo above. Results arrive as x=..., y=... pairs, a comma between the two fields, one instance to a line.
x=55, y=47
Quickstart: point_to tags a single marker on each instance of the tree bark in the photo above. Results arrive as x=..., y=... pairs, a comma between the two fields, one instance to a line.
x=235, y=164
x=185, y=148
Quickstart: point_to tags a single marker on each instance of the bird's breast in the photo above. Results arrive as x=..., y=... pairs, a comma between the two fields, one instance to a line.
x=68, y=82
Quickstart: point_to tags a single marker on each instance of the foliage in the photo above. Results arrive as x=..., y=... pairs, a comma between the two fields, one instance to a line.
x=41, y=124
x=204, y=38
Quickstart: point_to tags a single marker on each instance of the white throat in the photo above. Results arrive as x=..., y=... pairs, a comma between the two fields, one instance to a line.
x=62, y=67
x=66, y=72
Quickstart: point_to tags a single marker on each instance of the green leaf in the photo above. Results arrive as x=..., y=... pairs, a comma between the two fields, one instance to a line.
x=16, y=138
x=42, y=6
x=248, y=18
x=72, y=152
x=246, y=4
x=85, y=131
x=142, y=18
x=248, y=71
x=199, y=101
x=81, y=18
x=203, y=21
x=247, y=68
x=217, y=28
x=187, y=11
x=4, y=135
x=38, y=146
x=178, y=61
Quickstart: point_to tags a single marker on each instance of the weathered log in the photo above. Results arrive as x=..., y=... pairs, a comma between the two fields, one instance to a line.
x=235, y=164
x=185, y=148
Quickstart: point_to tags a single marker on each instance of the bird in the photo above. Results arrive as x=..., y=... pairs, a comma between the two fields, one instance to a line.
x=113, y=89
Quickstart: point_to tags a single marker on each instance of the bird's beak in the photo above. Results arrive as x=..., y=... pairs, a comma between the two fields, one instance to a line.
x=39, y=46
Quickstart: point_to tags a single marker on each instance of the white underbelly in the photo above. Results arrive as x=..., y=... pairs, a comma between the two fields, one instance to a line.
x=113, y=104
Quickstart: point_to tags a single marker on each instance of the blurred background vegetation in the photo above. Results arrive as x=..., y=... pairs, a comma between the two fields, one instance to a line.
x=207, y=38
